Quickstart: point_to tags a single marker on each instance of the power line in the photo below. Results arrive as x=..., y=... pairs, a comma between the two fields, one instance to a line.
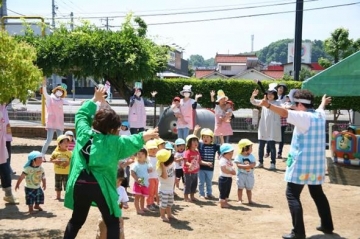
x=15, y=12
x=203, y=11
x=253, y=15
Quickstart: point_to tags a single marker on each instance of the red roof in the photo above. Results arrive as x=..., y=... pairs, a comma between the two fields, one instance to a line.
x=316, y=66
x=232, y=58
x=202, y=72
x=274, y=74
x=275, y=68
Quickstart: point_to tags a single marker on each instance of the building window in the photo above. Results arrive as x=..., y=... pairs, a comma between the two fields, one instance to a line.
x=226, y=68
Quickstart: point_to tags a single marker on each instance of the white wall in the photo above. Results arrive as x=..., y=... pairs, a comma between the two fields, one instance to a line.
x=235, y=69
x=253, y=76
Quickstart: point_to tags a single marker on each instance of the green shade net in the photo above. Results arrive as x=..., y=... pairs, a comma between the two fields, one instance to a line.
x=341, y=79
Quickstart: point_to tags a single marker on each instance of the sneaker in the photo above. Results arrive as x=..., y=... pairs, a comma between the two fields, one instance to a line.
x=279, y=156
x=11, y=199
x=151, y=208
x=266, y=155
x=272, y=166
x=259, y=165
x=155, y=206
x=210, y=196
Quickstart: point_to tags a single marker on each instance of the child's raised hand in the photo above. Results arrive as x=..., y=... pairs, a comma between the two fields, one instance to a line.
x=197, y=96
x=255, y=92
x=212, y=93
x=153, y=94
x=197, y=127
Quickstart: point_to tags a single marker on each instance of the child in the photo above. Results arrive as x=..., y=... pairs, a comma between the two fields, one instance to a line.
x=152, y=148
x=140, y=173
x=61, y=159
x=122, y=201
x=165, y=170
x=245, y=163
x=72, y=140
x=226, y=172
x=160, y=143
x=124, y=128
x=179, y=173
x=34, y=174
x=125, y=164
x=191, y=167
x=207, y=150
x=229, y=108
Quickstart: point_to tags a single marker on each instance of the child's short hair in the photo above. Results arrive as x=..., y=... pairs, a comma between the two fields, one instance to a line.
x=120, y=174
x=61, y=138
x=170, y=160
x=143, y=150
x=246, y=148
x=190, y=139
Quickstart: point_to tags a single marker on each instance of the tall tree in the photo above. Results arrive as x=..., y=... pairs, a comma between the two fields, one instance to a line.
x=196, y=61
x=338, y=45
x=121, y=57
x=18, y=73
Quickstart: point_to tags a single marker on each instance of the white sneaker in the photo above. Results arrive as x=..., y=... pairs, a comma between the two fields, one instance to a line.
x=272, y=166
x=259, y=165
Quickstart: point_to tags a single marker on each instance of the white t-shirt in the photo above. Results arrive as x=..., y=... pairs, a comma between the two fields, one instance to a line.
x=167, y=185
x=178, y=165
x=123, y=197
x=301, y=119
x=229, y=165
x=124, y=132
x=152, y=163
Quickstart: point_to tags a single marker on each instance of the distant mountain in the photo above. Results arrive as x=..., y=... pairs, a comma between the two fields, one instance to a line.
x=277, y=51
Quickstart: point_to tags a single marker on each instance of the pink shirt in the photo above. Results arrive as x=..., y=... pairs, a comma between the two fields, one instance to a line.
x=8, y=135
x=187, y=112
x=221, y=126
x=194, y=158
x=137, y=114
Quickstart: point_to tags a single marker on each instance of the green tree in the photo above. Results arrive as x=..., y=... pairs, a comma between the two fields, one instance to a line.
x=210, y=62
x=121, y=57
x=305, y=73
x=324, y=62
x=196, y=61
x=338, y=45
x=18, y=73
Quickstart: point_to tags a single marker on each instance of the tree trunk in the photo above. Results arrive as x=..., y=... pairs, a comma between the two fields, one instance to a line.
x=121, y=87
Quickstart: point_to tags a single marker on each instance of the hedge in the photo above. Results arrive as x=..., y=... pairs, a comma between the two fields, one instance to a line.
x=239, y=91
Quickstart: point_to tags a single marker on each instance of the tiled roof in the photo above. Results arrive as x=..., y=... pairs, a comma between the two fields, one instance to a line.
x=274, y=74
x=316, y=67
x=201, y=73
x=235, y=58
x=275, y=68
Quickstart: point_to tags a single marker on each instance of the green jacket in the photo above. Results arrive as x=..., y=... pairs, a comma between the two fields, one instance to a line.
x=105, y=153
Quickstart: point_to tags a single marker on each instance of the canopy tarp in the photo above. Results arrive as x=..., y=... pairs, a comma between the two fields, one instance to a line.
x=341, y=79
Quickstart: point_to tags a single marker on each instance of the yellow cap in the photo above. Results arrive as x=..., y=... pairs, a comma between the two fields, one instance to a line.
x=162, y=156
x=207, y=131
x=62, y=137
x=160, y=141
x=151, y=144
x=191, y=136
x=243, y=143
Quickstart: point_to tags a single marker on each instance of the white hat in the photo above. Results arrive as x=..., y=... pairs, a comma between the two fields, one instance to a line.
x=272, y=87
x=221, y=95
x=186, y=88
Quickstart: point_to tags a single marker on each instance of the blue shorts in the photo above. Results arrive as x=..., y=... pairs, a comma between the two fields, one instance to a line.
x=34, y=196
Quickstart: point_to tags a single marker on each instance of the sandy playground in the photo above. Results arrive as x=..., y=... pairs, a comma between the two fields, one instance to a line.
x=203, y=219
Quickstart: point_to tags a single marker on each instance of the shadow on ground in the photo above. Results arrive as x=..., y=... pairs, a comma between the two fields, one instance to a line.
x=35, y=233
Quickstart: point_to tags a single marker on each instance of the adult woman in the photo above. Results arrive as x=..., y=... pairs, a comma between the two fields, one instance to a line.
x=185, y=123
x=137, y=113
x=92, y=177
x=222, y=116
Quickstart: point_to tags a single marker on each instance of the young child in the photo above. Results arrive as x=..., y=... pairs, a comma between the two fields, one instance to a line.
x=191, y=167
x=245, y=163
x=160, y=143
x=176, y=109
x=152, y=148
x=207, y=150
x=61, y=159
x=165, y=170
x=125, y=165
x=72, y=140
x=34, y=175
x=226, y=172
x=179, y=161
x=122, y=201
x=124, y=128
x=140, y=172
x=229, y=110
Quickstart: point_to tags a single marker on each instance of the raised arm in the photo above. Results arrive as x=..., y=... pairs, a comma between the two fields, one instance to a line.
x=324, y=102
x=253, y=100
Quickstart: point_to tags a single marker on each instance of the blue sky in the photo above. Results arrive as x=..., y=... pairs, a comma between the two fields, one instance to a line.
x=210, y=37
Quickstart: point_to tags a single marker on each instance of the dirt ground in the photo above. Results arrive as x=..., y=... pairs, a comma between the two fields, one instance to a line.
x=204, y=219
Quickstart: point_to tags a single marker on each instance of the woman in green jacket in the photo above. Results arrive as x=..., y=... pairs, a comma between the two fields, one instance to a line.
x=92, y=178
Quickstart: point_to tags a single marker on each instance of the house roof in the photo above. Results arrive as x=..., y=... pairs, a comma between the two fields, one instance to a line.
x=275, y=68
x=252, y=70
x=274, y=74
x=199, y=73
x=216, y=74
x=232, y=58
x=316, y=66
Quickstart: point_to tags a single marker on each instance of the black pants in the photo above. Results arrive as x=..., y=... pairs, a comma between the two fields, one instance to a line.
x=136, y=130
x=272, y=150
x=281, y=144
x=293, y=192
x=224, y=187
x=84, y=194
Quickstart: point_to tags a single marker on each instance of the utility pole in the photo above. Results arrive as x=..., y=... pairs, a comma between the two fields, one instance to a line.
x=53, y=11
x=72, y=21
x=298, y=38
x=252, y=43
x=106, y=22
